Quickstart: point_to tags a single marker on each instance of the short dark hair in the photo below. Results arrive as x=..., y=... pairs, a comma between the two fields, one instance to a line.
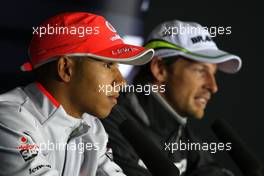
x=49, y=70
x=46, y=71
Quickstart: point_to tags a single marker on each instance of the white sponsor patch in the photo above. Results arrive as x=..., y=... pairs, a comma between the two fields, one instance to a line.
x=142, y=164
x=182, y=165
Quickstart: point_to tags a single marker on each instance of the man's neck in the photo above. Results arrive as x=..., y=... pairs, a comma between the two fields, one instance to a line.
x=181, y=119
x=61, y=94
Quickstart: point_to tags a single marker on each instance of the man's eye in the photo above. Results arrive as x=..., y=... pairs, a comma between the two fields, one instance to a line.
x=108, y=65
x=200, y=70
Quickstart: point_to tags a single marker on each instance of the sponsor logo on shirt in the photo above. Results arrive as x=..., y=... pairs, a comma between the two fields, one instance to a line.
x=33, y=170
x=27, y=151
x=181, y=165
x=28, y=154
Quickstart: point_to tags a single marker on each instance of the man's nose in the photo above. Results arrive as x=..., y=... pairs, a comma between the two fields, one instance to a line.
x=212, y=84
x=119, y=79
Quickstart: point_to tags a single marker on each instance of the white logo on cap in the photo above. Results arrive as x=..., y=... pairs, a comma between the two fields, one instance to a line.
x=110, y=26
x=123, y=50
x=115, y=37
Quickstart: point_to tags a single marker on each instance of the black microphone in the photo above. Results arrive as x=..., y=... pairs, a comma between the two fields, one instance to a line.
x=155, y=160
x=242, y=156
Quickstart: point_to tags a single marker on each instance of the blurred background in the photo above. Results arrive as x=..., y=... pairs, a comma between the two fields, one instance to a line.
x=239, y=100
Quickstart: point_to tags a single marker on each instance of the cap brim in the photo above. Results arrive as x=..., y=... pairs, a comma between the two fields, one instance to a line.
x=226, y=62
x=122, y=53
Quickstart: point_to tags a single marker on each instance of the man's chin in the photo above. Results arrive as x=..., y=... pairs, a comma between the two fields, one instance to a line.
x=197, y=114
x=102, y=114
x=198, y=117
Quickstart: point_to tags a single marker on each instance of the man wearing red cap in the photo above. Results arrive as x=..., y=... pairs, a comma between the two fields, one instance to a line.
x=51, y=126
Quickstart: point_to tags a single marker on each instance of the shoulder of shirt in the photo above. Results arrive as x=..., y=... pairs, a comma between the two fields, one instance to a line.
x=96, y=126
x=12, y=113
x=14, y=96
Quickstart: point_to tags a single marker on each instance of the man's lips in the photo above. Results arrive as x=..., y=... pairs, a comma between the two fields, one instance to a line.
x=113, y=98
x=202, y=100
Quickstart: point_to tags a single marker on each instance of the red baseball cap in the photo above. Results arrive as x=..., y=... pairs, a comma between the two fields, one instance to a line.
x=81, y=34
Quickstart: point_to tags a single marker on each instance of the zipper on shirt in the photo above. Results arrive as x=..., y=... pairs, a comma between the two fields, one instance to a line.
x=179, y=134
x=72, y=136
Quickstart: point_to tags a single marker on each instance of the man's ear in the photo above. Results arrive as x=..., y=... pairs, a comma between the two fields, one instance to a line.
x=65, y=68
x=158, y=69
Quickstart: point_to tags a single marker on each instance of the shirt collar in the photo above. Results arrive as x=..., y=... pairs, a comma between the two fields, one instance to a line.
x=182, y=120
x=47, y=106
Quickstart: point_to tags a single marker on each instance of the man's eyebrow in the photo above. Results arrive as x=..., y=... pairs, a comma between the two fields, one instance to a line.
x=110, y=62
x=107, y=62
x=207, y=67
x=100, y=60
x=116, y=64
